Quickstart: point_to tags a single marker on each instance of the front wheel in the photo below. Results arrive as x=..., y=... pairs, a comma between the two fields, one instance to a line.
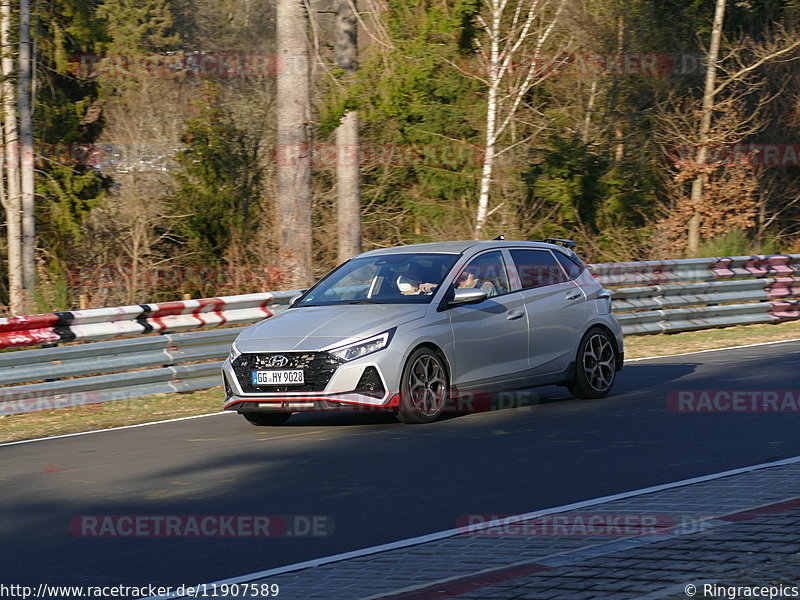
x=596, y=367
x=423, y=389
x=266, y=419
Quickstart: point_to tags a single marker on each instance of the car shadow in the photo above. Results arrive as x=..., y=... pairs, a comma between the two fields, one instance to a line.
x=634, y=378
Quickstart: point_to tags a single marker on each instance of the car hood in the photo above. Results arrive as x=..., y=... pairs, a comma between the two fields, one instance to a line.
x=318, y=327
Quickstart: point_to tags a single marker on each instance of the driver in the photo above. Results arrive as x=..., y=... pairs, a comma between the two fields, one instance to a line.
x=416, y=280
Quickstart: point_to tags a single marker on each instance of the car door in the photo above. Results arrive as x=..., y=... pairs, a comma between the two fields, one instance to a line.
x=555, y=308
x=490, y=339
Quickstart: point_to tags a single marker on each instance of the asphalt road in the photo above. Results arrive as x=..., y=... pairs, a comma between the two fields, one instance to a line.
x=378, y=480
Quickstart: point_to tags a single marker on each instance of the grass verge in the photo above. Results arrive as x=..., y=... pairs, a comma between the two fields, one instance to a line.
x=133, y=411
x=170, y=406
x=663, y=344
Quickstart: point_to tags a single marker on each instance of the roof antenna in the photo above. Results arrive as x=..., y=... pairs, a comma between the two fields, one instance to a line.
x=500, y=237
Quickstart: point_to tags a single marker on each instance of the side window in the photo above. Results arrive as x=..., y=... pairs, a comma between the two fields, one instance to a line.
x=486, y=272
x=537, y=268
x=572, y=268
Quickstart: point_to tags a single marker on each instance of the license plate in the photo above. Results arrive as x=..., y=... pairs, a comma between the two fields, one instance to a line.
x=293, y=377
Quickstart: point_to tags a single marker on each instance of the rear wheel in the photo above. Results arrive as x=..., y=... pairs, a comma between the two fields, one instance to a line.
x=596, y=367
x=267, y=419
x=423, y=389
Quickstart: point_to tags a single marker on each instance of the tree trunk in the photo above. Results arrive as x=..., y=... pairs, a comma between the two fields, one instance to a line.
x=348, y=173
x=26, y=149
x=294, y=144
x=12, y=195
x=705, y=129
x=587, y=121
x=491, y=122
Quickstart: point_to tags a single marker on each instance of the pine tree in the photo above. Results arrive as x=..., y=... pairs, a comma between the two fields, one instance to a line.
x=218, y=185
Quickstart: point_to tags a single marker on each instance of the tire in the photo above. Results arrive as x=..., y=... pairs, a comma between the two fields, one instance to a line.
x=424, y=388
x=267, y=419
x=596, y=365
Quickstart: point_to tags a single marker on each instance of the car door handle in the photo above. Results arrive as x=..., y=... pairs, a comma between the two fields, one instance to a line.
x=573, y=296
x=515, y=314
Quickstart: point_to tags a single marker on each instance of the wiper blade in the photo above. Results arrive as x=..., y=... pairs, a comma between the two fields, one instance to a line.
x=363, y=302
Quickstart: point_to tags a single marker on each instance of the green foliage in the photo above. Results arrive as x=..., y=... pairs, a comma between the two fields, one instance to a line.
x=423, y=120
x=70, y=193
x=738, y=243
x=420, y=110
x=218, y=185
x=52, y=290
x=584, y=191
x=691, y=20
x=136, y=26
x=67, y=122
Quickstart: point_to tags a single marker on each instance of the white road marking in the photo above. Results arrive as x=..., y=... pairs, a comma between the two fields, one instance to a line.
x=67, y=435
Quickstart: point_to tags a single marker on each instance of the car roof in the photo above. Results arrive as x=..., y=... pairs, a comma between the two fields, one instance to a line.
x=458, y=247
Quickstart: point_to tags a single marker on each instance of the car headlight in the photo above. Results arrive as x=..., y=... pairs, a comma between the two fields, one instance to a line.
x=234, y=353
x=363, y=347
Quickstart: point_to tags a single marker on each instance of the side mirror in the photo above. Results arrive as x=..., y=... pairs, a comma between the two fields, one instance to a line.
x=463, y=296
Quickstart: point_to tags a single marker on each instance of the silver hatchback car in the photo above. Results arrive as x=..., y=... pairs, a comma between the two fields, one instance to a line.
x=407, y=329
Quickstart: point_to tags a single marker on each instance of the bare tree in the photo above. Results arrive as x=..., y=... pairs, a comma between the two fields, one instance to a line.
x=24, y=103
x=705, y=125
x=712, y=94
x=132, y=230
x=11, y=196
x=514, y=36
x=293, y=215
x=709, y=150
x=348, y=172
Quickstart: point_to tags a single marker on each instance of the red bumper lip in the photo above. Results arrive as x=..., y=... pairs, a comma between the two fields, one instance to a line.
x=394, y=401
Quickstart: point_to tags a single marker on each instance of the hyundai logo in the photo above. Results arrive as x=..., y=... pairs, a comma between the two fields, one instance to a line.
x=279, y=361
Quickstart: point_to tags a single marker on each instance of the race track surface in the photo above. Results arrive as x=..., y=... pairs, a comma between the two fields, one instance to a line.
x=379, y=481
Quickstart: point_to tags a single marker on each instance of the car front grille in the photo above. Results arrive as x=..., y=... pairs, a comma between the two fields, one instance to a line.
x=318, y=368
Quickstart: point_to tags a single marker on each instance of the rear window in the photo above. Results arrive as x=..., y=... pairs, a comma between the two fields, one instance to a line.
x=537, y=268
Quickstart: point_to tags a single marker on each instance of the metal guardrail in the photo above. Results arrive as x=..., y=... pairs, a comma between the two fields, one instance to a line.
x=102, y=371
x=104, y=323
x=648, y=297
x=700, y=293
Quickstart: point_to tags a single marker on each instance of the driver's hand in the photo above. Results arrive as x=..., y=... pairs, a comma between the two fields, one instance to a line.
x=427, y=288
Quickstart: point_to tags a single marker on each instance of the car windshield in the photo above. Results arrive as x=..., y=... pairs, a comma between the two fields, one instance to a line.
x=382, y=279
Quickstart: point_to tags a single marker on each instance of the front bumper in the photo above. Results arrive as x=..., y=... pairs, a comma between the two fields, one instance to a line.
x=329, y=384
x=350, y=402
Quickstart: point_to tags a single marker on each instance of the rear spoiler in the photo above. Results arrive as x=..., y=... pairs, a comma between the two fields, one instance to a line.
x=559, y=242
